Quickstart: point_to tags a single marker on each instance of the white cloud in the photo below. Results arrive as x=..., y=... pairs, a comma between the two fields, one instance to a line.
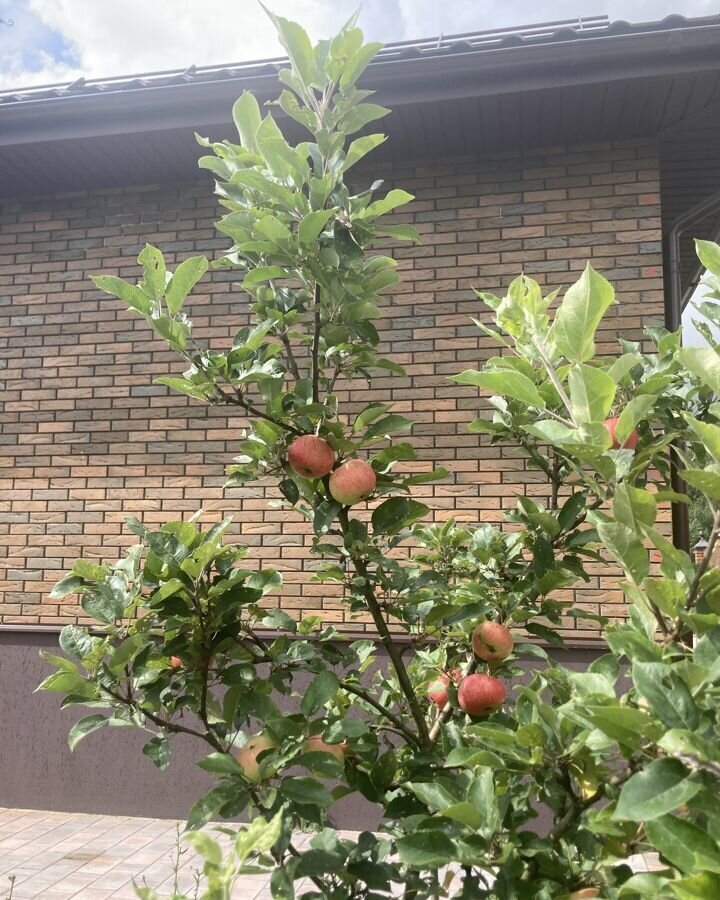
x=60, y=40
x=121, y=37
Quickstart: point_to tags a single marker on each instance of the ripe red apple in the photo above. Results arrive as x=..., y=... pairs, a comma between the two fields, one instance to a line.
x=248, y=756
x=437, y=693
x=352, y=482
x=176, y=662
x=316, y=744
x=631, y=441
x=310, y=456
x=492, y=641
x=480, y=695
x=584, y=892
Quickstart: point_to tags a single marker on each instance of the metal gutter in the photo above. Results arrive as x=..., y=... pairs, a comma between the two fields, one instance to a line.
x=466, y=72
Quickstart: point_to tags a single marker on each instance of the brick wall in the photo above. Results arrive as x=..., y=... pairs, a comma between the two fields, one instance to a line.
x=88, y=439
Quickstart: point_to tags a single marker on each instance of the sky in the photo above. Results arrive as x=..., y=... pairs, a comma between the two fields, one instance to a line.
x=54, y=41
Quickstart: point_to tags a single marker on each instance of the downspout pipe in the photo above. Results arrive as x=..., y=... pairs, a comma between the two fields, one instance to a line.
x=673, y=321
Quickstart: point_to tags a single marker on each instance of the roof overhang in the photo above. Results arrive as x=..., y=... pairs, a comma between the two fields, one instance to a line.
x=566, y=86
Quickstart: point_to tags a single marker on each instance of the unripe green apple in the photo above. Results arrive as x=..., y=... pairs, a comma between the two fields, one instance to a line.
x=310, y=456
x=631, y=441
x=480, y=695
x=248, y=756
x=352, y=482
x=492, y=641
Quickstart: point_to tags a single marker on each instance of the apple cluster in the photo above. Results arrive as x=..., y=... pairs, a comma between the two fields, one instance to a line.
x=253, y=763
x=478, y=694
x=351, y=482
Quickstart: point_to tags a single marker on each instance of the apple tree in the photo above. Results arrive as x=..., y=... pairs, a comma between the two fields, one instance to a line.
x=490, y=778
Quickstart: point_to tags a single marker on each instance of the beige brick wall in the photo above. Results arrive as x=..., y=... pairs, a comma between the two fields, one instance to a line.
x=88, y=439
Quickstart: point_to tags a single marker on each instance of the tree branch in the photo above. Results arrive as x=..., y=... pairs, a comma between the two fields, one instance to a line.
x=386, y=638
x=316, y=347
x=237, y=399
x=390, y=716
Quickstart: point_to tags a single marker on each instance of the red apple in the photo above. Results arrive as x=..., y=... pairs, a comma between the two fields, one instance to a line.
x=352, y=482
x=584, y=892
x=437, y=693
x=492, y=641
x=310, y=456
x=316, y=744
x=631, y=441
x=248, y=756
x=176, y=662
x=480, y=695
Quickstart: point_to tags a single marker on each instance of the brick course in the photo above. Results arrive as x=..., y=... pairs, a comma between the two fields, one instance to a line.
x=88, y=439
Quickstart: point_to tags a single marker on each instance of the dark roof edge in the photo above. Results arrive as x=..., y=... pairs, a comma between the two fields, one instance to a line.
x=561, y=59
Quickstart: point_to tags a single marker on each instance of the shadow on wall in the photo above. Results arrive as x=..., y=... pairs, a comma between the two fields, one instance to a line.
x=108, y=773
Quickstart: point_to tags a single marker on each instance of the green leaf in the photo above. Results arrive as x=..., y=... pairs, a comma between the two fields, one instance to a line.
x=697, y=887
x=361, y=147
x=579, y=315
x=207, y=806
x=133, y=296
x=397, y=513
x=704, y=363
x=635, y=411
x=126, y=651
x=158, y=750
x=508, y=383
x=388, y=425
x=360, y=116
x=184, y=279
x=686, y=846
x=626, y=547
x=85, y=726
x=206, y=847
x=320, y=690
x=426, y=849
x=399, y=232
x=258, y=837
x=634, y=507
x=67, y=585
x=592, y=393
x=666, y=692
x=432, y=794
x=221, y=764
x=295, y=40
x=708, y=433
x=263, y=273
x=658, y=789
x=76, y=641
x=390, y=201
x=709, y=255
x=624, y=724
x=247, y=117
x=312, y=225
x=151, y=259
x=302, y=789
x=705, y=480
x=357, y=64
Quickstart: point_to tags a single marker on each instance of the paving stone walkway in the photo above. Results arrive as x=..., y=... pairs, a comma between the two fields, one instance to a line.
x=91, y=857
